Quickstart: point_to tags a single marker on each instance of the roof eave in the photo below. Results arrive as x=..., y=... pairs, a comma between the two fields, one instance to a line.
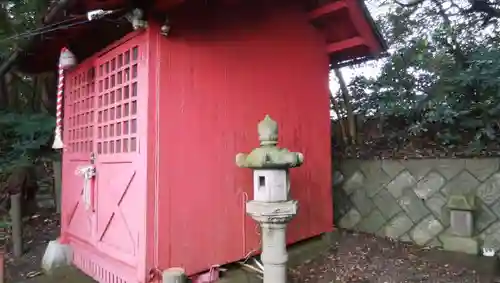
x=376, y=31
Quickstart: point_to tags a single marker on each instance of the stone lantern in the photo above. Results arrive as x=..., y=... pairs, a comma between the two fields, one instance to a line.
x=460, y=238
x=271, y=206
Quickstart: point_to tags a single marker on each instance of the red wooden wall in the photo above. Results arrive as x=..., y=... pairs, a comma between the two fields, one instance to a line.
x=211, y=82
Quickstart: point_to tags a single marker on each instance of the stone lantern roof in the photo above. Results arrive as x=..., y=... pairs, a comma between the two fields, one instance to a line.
x=269, y=155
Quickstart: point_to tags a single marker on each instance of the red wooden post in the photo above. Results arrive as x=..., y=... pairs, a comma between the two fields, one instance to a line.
x=2, y=266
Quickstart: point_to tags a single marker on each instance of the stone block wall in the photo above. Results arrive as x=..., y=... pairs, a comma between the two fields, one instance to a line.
x=405, y=199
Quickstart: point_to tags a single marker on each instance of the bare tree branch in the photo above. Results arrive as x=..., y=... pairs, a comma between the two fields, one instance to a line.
x=411, y=3
x=487, y=8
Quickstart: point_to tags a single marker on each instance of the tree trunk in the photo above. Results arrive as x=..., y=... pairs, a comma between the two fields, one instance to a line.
x=12, y=95
x=4, y=97
x=340, y=120
x=37, y=101
x=348, y=106
x=48, y=89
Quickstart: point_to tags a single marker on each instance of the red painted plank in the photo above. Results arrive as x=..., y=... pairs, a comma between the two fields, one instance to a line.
x=2, y=266
x=327, y=9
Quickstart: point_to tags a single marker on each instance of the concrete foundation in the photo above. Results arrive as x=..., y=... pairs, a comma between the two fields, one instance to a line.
x=56, y=255
x=466, y=245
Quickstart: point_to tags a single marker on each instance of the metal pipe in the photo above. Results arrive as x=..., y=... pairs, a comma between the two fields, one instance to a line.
x=253, y=268
x=257, y=262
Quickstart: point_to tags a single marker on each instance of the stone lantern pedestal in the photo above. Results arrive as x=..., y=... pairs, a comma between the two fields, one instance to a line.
x=273, y=219
x=271, y=206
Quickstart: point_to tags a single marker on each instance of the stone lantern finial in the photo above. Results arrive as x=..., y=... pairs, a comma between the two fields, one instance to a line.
x=268, y=131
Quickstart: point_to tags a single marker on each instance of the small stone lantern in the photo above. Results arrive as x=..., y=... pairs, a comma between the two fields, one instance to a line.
x=271, y=206
x=460, y=237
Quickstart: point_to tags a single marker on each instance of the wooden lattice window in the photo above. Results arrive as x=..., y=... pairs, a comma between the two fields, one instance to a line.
x=80, y=110
x=117, y=103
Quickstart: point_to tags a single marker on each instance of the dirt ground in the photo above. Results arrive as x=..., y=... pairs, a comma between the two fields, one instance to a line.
x=37, y=232
x=361, y=258
x=352, y=258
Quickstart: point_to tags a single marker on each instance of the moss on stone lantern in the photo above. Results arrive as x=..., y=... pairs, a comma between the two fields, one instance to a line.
x=269, y=155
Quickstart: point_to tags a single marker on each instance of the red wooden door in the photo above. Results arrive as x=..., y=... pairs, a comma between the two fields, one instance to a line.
x=119, y=192
x=113, y=225
x=78, y=223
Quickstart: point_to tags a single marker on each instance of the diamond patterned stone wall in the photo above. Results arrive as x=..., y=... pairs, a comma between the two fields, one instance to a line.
x=405, y=199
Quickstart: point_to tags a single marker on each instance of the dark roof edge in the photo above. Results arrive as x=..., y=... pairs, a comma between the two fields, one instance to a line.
x=358, y=60
x=60, y=7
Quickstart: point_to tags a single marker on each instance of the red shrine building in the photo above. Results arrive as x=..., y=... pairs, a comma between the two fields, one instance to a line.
x=161, y=111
